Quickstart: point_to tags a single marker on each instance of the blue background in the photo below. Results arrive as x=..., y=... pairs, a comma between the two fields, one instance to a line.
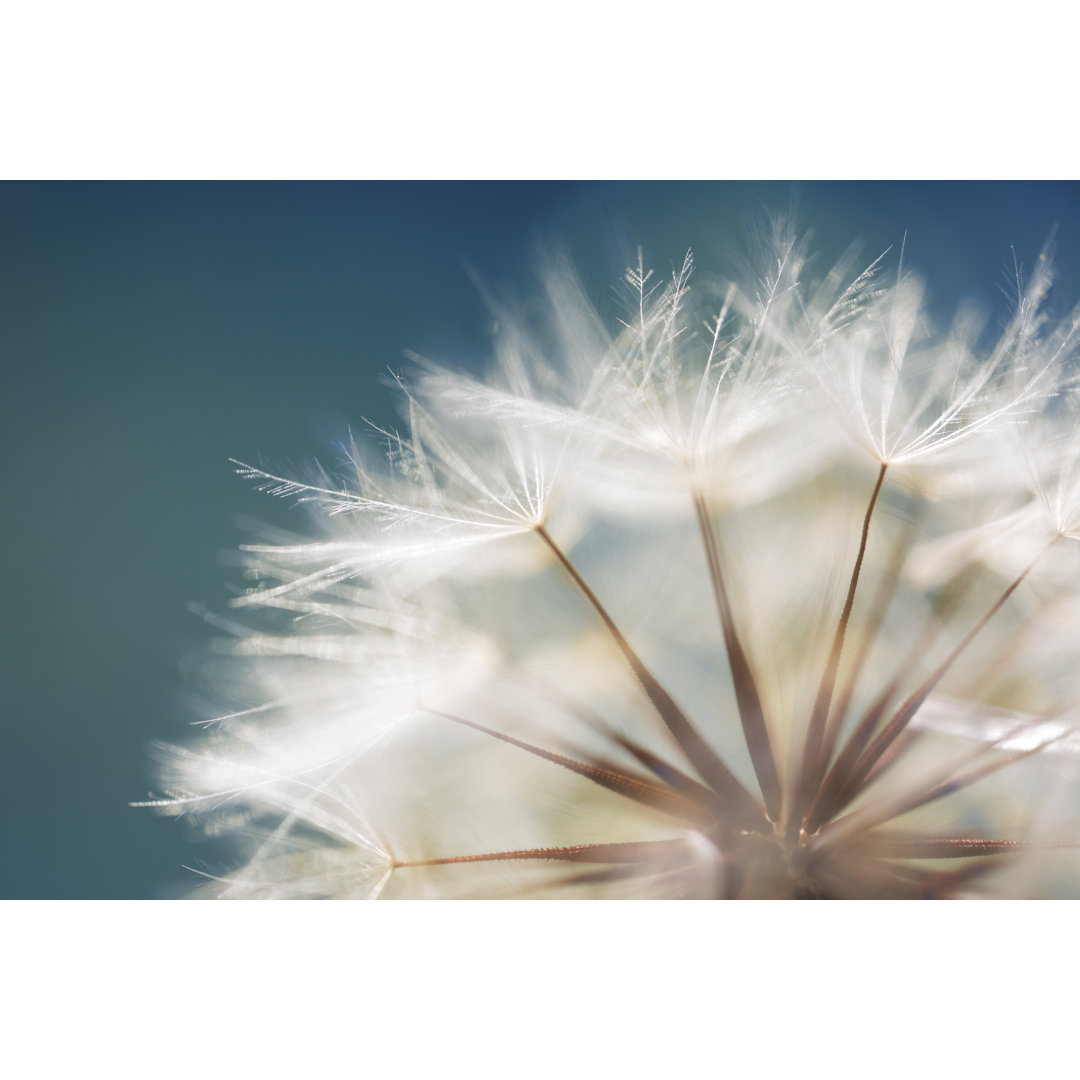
x=148, y=332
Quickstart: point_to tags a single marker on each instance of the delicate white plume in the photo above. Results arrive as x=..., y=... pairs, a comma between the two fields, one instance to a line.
x=764, y=588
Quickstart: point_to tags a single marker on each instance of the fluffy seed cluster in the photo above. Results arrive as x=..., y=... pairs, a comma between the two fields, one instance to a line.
x=767, y=590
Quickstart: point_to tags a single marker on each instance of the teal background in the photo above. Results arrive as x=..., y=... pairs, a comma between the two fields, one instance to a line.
x=148, y=332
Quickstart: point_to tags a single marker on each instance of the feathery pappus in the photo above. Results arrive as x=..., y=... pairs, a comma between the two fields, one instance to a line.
x=766, y=589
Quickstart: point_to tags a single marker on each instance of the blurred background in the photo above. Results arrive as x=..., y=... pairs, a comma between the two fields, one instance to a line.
x=151, y=331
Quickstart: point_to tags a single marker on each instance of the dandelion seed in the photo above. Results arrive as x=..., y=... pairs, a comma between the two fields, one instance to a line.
x=766, y=592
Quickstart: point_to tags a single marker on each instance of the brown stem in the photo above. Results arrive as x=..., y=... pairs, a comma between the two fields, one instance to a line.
x=631, y=852
x=942, y=847
x=861, y=821
x=751, y=713
x=836, y=791
x=609, y=777
x=914, y=702
x=701, y=755
x=876, y=616
x=814, y=759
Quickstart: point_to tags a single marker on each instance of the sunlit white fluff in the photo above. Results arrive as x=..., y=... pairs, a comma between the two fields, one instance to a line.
x=904, y=392
x=589, y=625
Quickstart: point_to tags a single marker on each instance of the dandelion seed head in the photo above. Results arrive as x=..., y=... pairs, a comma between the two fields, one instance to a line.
x=758, y=589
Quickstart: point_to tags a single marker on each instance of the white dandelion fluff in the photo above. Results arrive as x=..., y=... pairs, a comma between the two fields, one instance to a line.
x=761, y=590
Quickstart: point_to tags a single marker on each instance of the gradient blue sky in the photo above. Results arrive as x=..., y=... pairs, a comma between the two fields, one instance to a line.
x=151, y=331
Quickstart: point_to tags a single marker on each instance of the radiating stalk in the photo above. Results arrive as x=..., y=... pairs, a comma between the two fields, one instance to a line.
x=876, y=612
x=630, y=852
x=934, y=788
x=606, y=776
x=672, y=777
x=814, y=759
x=942, y=847
x=701, y=755
x=751, y=713
x=914, y=702
x=835, y=790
